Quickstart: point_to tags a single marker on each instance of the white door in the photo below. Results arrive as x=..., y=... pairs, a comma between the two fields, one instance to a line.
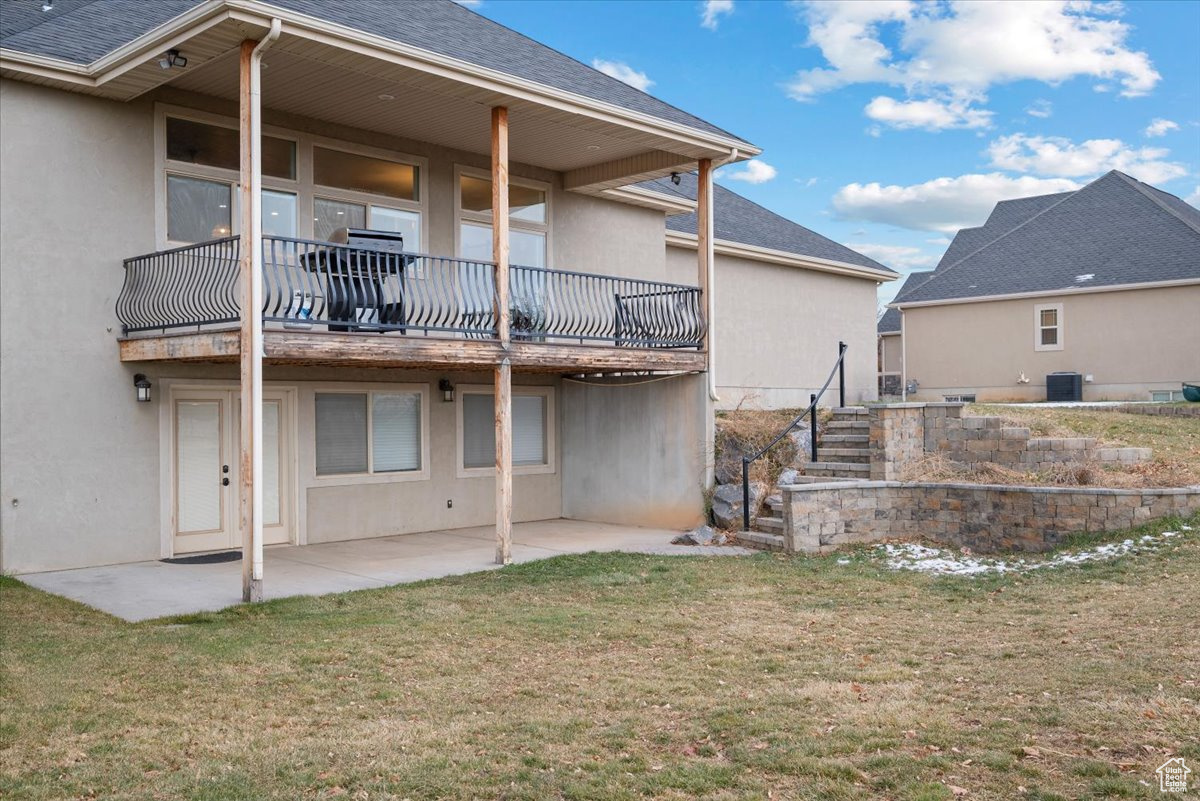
x=205, y=474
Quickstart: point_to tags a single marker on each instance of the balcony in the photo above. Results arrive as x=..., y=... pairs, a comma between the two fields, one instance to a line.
x=334, y=304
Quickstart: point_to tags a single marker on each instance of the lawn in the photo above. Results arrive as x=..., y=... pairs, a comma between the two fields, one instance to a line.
x=624, y=677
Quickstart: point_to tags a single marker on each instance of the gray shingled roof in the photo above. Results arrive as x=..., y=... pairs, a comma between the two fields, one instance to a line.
x=736, y=219
x=1116, y=230
x=889, y=323
x=81, y=31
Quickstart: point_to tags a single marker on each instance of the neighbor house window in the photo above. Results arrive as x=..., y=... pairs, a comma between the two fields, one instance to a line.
x=1048, y=326
x=202, y=163
x=358, y=191
x=532, y=425
x=368, y=432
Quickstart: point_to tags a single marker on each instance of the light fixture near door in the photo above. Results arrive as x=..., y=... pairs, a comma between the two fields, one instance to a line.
x=142, y=384
x=447, y=390
x=172, y=58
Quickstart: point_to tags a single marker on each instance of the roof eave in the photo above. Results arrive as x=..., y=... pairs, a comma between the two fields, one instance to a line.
x=753, y=252
x=1071, y=290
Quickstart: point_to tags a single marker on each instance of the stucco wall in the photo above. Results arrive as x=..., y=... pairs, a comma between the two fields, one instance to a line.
x=635, y=454
x=79, y=458
x=889, y=346
x=1131, y=342
x=777, y=330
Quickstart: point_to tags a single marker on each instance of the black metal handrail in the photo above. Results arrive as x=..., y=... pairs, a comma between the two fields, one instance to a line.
x=839, y=369
x=308, y=283
x=583, y=307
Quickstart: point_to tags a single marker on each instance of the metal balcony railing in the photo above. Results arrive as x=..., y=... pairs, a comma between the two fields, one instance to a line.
x=343, y=288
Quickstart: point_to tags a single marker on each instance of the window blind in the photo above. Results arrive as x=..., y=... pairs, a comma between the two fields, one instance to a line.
x=396, y=431
x=479, y=430
x=341, y=420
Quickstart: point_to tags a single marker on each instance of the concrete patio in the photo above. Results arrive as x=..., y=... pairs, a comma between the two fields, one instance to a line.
x=145, y=590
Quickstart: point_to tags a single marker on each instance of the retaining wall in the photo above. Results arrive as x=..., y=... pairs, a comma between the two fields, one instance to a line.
x=988, y=518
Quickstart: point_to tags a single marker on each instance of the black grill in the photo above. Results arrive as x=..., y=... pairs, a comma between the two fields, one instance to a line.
x=1064, y=387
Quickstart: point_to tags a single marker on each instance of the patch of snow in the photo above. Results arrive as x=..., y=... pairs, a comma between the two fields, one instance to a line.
x=943, y=562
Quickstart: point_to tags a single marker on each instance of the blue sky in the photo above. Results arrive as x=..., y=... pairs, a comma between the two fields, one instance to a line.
x=888, y=125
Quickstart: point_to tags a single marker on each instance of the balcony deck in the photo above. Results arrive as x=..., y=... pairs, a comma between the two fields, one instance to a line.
x=337, y=305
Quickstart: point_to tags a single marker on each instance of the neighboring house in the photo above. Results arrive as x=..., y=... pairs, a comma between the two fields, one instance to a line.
x=890, y=355
x=1103, y=281
x=387, y=392
x=785, y=296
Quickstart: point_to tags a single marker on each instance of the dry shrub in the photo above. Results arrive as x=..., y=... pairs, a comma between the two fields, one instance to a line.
x=937, y=468
x=744, y=431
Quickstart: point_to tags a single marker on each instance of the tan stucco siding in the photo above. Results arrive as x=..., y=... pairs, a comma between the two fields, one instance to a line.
x=889, y=345
x=1129, y=341
x=777, y=330
x=80, y=460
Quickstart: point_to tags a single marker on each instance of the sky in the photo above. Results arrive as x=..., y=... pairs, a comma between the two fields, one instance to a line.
x=889, y=125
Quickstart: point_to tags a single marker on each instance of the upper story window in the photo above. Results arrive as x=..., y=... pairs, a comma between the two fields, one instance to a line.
x=1048, y=326
x=311, y=187
x=528, y=217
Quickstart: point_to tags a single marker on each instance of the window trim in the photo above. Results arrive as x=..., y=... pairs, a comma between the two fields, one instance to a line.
x=1038, y=327
x=547, y=392
x=461, y=216
x=303, y=187
x=372, y=477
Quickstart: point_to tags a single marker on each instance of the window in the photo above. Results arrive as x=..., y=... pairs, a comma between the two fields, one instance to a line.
x=527, y=219
x=1048, y=326
x=368, y=432
x=202, y=182
x=532, y=423
x=311, y=187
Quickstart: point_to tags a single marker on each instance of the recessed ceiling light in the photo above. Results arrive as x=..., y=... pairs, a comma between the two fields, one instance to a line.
x=593, y=147
x=387, y=97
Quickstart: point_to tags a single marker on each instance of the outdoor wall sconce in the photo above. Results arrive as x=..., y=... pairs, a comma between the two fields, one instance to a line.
x=675, y=178
x=143, y=387
x=447, y=390
x=173, y=58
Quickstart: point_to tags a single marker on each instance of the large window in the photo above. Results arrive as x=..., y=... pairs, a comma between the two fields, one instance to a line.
x=368, y=433
x=527, y=219
x=532, y=425
x=202, y=161
x=1048, y=326
x=311, y=188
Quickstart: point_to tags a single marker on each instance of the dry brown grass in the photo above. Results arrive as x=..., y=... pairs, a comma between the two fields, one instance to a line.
x=611, y=677
x=746, y=430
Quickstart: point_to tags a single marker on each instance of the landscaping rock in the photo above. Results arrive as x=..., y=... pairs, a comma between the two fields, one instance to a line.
x=727, y=503
x=728, y=468
x=701, y=535
x=789, y=476
x=802, y=441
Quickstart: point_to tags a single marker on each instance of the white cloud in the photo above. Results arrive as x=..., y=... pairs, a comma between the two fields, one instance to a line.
x=623, y=73
x=710, y=16
x=898, y=257
x=1194, y=198
x=931, y=115
x=959, y=49
x=470, y=3
x=1057, y=156
x=1159, y=127
x=752, y=172
x=943, y=204
x=806, y=182
x=940, y=241
x=1040, y=109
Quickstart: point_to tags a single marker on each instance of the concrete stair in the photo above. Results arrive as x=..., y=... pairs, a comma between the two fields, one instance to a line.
x=845, y=456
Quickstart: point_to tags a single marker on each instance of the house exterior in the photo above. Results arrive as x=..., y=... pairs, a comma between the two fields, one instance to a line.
x=299, y=272
x=1103, y=282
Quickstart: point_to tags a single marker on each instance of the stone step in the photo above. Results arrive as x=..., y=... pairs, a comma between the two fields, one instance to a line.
x=844, y=440
x=837, y=469
x=775, y=501
x=850, y=413
x=855, y=455
x=769, y=525
x=848, y=426
x=760, y=539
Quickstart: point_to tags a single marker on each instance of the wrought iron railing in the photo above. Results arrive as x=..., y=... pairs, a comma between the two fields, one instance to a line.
x=309, y=284
x=839, y=369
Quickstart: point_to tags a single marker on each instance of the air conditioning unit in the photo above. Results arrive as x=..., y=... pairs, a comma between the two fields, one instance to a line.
x=1063, y=386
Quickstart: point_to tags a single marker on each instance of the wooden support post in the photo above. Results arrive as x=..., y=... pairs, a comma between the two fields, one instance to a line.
x=503, y=372
x=250, y=280
x=704, y=245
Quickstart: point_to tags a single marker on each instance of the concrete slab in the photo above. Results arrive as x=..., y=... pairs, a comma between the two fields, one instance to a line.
x=146, y=590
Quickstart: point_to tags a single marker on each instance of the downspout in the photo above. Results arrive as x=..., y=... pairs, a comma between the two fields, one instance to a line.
x=903, y=361
x=711, y=305
x=256, y=290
